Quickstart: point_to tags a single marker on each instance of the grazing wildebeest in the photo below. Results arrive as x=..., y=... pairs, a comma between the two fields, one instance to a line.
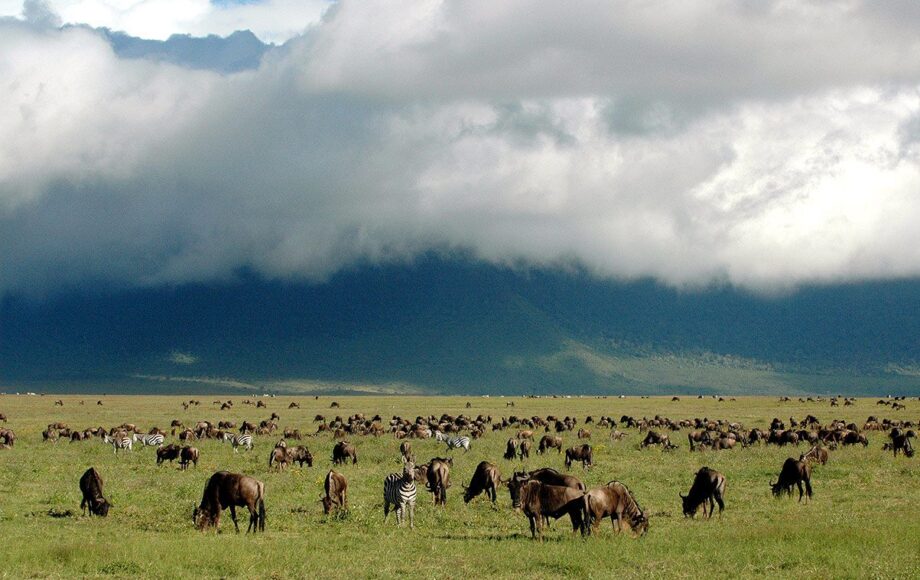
x=486, y=478
x=614, y=500
x=342, y=451
x=188, y=455
x=581, y=453
x=524, y=448
x=336, y=488
x=225, y=490
x=511, y=449
x=854, y=438
x=300, y=454
x=708, y=484
x=168, y=453
x=793, y=473
x=3, y=417
x=540, y=501
x=656, y=438
x=584, y=434
x=545, y=475
x=901, y=442
x=527, y=434
x=438, y=477
x=91, y=487
x=549, y=442
x=816, y=454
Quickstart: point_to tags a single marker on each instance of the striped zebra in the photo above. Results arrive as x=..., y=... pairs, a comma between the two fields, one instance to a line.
x=399, y=490
x=457, y=443
x=154, y=440
x=244, y=440
x=119, y=442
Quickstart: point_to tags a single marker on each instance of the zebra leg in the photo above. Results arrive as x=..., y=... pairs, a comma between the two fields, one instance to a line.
x=399, y=515
x=412, y=516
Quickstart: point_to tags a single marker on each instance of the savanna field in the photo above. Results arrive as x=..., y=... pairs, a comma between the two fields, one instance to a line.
x=864, y=519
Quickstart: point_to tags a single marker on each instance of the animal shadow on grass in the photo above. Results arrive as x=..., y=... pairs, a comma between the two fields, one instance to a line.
x=516, y=536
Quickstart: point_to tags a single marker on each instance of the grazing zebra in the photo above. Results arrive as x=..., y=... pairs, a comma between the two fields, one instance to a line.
x=119, y=442
x=244, y=440
x=400, y=491
x=154, y=440
x=453, y=442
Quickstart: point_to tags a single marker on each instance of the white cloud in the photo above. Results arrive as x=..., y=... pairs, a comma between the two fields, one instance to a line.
x=741, y=149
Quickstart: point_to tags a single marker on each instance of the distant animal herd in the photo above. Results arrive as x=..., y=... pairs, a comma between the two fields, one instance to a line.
x=541, y=494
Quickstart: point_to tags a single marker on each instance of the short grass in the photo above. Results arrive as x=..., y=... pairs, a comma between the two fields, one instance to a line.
x=863, y=522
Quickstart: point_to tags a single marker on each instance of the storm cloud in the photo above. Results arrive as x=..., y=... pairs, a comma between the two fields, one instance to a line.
x=763, y=144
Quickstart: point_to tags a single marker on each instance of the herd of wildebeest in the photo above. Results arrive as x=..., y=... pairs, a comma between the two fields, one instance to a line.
x=542, y=494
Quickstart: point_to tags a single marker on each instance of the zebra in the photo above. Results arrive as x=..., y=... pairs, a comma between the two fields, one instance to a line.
x=244, y=440
x=457, y=442
x=400, y=491
x=119, y=442
x=149, y=440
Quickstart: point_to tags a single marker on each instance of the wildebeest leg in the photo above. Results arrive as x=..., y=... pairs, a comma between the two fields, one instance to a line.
x=801, y=492
x=721, y=503
x=533, y=527
x=233, y=517
x=253, y=520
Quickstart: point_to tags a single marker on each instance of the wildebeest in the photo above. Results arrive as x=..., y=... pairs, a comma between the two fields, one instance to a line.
x=793, y=473
x=486, y=479
x=581, y=453
x=168, y=453
x=545, y=475
x=225, y=490
x=511, y=449
x=656, y=438
x=708, y=484
x=91, y=487
x=188, y=455
x=540, y=501
x=816, y=454
x=336, y=488
x=3, y=417
x=524, y=448
x=549, y=442
x=405, y=449
x=438, y=477
x=342, y=451
x=901, y=442
x=614, y=500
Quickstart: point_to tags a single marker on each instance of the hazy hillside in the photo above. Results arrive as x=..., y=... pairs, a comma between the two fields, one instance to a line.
x=458, y=327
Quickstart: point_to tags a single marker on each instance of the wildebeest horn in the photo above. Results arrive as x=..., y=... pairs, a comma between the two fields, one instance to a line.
x=682, y=496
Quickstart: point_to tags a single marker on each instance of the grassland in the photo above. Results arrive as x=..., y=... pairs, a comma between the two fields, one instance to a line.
x=864, y=520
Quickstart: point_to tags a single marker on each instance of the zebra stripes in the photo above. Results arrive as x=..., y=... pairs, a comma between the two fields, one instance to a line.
x=238, y=441
x=119, y=442
x=453, y=442
x=400, y=491
x=154, y=440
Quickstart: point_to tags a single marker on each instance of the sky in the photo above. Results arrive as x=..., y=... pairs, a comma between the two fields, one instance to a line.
x=764, y=144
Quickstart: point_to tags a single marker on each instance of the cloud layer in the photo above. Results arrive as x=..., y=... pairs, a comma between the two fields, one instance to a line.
x=762, y=144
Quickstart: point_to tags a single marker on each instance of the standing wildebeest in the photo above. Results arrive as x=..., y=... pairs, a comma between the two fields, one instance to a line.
x=511, y=449
x=91, y=486
x=336, y=488
x=616, y=501
x=707, y=485
x=548, y=442
x=188, y=455
x=342, y=451
x=545, y=475
x=581, y=453
x=540, y=501
x=405, y=449
x=168, y=453
x=524, y=448
x=438, y=477
x=3, y=417
x=300, y=454
x=816, y=454
x=486, y=478
x=793, y=473
x=225, y=490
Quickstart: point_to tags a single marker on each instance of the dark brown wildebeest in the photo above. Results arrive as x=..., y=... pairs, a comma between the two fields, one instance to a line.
x=405, y=449
x=708, y=484
x=188, y=455
x=656, y=438
x=91, y=487
x=260, y=405
x=524, y=448
x=292, y=434
x=511, y=449
x=336, y=488
x=293, y=405
x=300, y=454
x=342, y=451
x=438, y=477
x=545, y=475
x=225, y=490
x=617, y=435
x=615, y=501
x=584, y=434
x=59, y=403
x=540, y=501
x=816, y=454
x=793, y=473
x=168, y=453
x=549, y=442
x=900, y=441
x=854, y=438
x=3, y=417
x=486, y=479
x=581, y=453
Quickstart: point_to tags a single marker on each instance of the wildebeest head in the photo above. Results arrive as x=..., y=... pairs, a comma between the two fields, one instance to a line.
x=689, y=508
x=776, y=488
x=102, y=507
x=518, y=479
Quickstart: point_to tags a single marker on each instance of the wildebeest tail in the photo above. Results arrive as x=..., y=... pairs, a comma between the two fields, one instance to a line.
x=261, y=506
x=808, y=487
x=588, y=513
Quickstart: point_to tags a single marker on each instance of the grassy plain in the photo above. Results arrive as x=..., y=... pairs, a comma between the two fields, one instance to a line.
x=864, y=520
